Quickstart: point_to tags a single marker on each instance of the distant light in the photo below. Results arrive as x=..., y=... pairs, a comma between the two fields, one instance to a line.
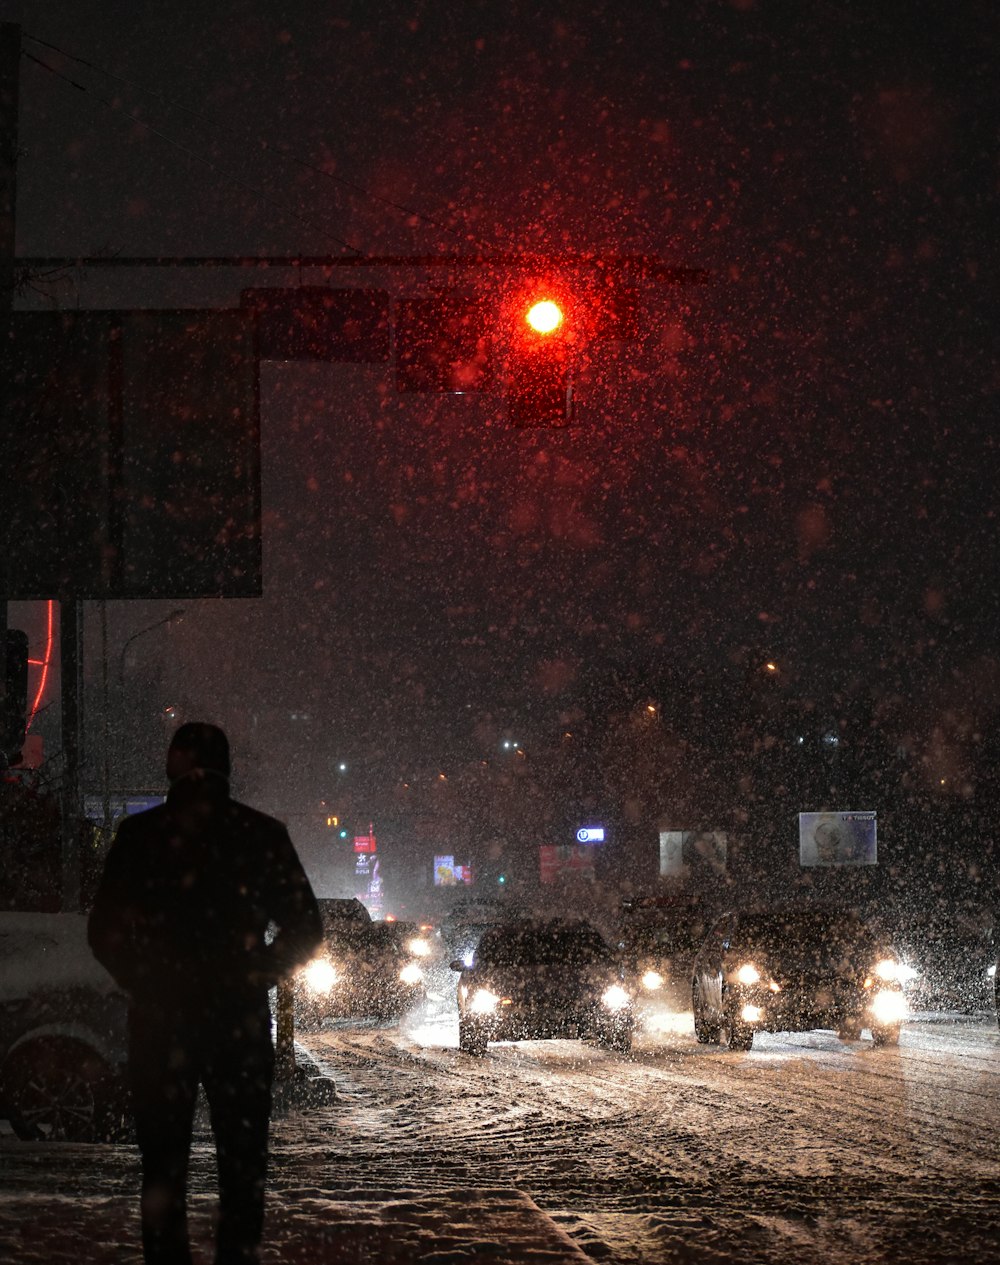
x=342, y=768
x=545, y=316
x=771, y=666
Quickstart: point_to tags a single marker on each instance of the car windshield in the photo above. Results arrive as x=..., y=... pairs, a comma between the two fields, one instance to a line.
x=531, y=946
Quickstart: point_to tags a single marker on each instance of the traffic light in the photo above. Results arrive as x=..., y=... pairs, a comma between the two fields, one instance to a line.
x=14, y=714
x=539, y=379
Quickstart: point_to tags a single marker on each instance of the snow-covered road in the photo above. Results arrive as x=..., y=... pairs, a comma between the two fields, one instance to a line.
x=803, y=1150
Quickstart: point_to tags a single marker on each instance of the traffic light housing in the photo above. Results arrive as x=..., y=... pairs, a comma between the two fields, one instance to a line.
x=14, y=712
x=539, y=378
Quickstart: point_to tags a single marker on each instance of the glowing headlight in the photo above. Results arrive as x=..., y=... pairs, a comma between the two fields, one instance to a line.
x=418, y=947
x=888, y=1007
x=751, y=1014
x=483, y=1002
x=991, y=971
x=411, y=974
x=748, y=974
x=887, y=969
x=652, y=980
x=615, y=997
x=320, y=975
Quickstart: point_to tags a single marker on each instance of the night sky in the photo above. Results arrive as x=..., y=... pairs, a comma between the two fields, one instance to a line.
x=795, y=460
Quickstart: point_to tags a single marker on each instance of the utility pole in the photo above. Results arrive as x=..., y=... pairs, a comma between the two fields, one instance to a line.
x=10, y=62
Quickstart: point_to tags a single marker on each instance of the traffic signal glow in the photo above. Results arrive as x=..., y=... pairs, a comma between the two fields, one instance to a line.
x=545, y=316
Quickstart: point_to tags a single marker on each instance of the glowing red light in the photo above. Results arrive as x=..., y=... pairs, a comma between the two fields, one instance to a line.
x=545, y=316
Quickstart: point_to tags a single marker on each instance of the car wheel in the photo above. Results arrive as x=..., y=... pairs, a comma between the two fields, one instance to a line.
x=705, y=1033
x=740, y=1036
x=886, y=1036
x=850, y=1029
x=617, y=1038
x=471, y=1040
x=59, y=1090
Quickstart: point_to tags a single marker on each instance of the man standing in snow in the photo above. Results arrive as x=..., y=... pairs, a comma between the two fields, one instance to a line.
x=202, y=907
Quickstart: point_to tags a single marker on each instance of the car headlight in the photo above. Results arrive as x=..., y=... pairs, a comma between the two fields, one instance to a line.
x=751, y=1014
x=652, y=980
x=748, y=974
x=483, y=1002
x=320, y=975
x=411, y=974
x=615, y=997
x=888, y=1006
x=887, y=969
x=418, y=947
x=991, y=971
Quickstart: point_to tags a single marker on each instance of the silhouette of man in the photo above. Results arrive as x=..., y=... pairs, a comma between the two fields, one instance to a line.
x=202, y=907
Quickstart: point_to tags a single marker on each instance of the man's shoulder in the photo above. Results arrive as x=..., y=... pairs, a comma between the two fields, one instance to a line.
x=254, y=819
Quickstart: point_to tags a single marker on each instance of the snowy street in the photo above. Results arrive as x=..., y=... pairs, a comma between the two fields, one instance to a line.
x=805, y=1149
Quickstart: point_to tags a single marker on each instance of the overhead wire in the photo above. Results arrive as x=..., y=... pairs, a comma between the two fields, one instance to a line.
x=279, y=150
x=194, y=154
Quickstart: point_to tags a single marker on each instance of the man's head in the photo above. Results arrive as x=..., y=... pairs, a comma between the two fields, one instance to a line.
x=197, y=745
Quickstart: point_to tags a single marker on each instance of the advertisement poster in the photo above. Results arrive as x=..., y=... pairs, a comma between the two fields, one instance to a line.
x=448, y=874
x=845, y=838
x=557, y=862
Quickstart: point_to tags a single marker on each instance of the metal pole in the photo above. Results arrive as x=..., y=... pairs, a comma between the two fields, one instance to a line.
x=70, y=636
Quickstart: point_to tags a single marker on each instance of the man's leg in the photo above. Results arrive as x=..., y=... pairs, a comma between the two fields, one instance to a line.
x=164, y=1080
x=238, y=1077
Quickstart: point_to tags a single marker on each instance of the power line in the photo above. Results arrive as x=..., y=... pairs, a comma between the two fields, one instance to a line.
x=280, y=150
x=191, y=153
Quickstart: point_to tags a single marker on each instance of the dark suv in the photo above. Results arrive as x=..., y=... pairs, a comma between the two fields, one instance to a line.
x=793, y=970
x=542, y=978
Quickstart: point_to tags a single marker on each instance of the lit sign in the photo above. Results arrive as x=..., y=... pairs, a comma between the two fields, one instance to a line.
x=590, y=834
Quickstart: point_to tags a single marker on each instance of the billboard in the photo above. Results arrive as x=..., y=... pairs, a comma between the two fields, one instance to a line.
x=448, y=874
x=131, y=447
x=684, y=852
x=564, y=861
x=841, y=838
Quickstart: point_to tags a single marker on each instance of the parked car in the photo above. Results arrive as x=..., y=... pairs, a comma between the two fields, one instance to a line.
x=534, y=978
x=62, y=1033
x=365, y=969
x=794, y=970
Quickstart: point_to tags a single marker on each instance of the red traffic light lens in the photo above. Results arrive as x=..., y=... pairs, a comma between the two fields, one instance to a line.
x=545, y=316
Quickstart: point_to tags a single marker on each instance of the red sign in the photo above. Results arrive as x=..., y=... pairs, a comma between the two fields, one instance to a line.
x=557, y=861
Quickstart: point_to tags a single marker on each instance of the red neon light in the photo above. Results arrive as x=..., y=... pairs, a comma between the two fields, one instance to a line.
x=44, y=662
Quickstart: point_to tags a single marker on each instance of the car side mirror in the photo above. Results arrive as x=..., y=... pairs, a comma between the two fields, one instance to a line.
x=456, y=964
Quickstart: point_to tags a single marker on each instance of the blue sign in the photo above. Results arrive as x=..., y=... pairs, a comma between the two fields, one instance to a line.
x=590, y=834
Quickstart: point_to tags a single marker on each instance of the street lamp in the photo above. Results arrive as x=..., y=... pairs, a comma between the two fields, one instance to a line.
x=172, y=618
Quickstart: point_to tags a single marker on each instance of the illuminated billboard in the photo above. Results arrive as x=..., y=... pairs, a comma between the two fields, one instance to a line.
x=448, y=874
x=844, y=838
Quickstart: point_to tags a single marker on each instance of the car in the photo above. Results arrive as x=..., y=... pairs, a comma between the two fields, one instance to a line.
x=537, y=978
x=795, y=970
x=464, y=924
x=365, y=969
x=657, y=940
x=63, y=1044
x=949, y=956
